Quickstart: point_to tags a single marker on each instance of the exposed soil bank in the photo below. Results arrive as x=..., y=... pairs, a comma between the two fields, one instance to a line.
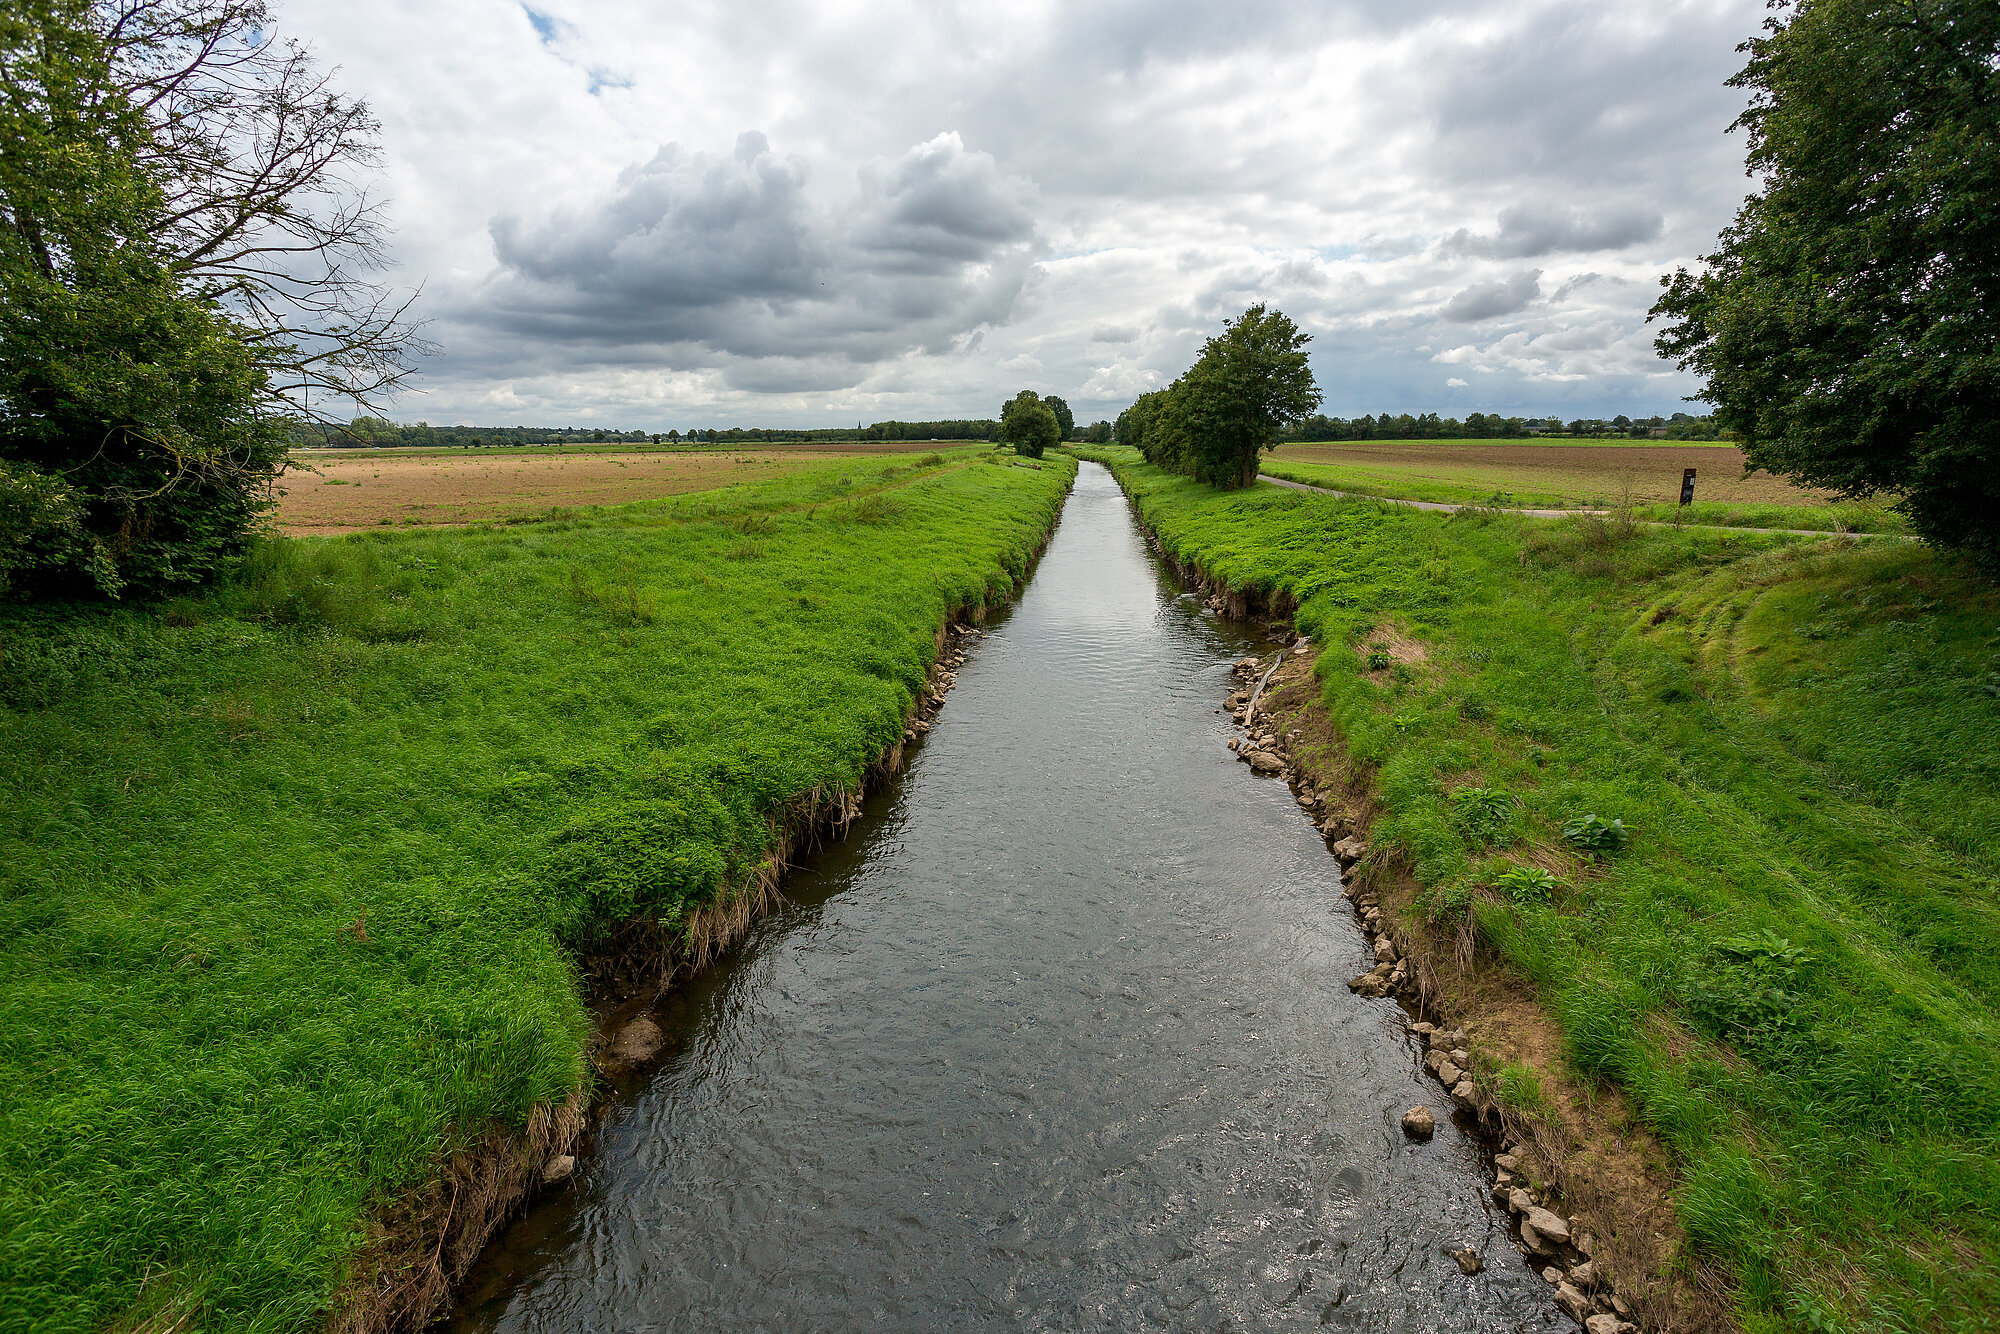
x=1589, y=1189
x=422, y=1246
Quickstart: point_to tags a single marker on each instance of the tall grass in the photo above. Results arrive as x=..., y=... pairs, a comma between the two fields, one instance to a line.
x=292, y=874
x=1794, y=963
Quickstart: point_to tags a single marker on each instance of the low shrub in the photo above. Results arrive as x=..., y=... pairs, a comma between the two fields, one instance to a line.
x=1482, y=811
x=1595, y=835
x=1527, y=884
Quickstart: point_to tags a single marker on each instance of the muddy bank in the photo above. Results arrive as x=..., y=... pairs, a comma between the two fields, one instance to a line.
x=1588, y=1192
x=420, y=1247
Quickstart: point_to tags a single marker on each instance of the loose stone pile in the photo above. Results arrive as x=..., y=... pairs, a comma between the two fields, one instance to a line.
x=943, y=676
x=1556, y=1246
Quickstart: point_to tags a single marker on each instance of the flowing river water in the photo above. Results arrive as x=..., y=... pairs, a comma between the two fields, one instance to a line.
x=1058, y=1038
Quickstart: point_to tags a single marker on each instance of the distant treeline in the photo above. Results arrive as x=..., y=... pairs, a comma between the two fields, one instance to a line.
x=1481, y=426
x=380, y=433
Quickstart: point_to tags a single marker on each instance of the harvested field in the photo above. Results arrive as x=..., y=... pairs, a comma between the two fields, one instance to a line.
x=347, y=490
x=1596, y=475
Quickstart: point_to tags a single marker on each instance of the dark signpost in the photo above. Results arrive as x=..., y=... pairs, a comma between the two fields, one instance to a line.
x=1687, y=487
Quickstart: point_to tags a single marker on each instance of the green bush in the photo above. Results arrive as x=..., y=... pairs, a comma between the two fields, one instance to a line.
x=1527, y=884
x=1482, y=811
x=1596, y=836
x=1748, y=990
x=42, y=532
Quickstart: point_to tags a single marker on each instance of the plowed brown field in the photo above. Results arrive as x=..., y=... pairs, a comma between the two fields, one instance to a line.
x=347, y=490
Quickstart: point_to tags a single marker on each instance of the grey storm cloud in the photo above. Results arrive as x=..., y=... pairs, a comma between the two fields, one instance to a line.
x=1122, y=176
x=1529, y=230
x=1484, y=301
x=730, y=256
x=682, y=232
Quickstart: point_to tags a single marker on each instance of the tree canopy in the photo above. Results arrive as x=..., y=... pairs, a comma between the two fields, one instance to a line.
x=1848, y=324
x=179, y=253
x=1251, y=384
x=1065, y=419
x=1029, y=424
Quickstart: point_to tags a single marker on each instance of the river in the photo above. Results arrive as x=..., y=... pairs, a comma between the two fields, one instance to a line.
x=1058, y=1038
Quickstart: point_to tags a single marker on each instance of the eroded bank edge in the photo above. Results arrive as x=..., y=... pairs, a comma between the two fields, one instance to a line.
x=1586, y=1190
x=420, y=1247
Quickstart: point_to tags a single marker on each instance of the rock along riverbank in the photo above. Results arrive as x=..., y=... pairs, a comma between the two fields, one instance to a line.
x=1589, y=1194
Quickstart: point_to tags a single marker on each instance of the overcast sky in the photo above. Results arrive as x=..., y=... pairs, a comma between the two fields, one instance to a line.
x=746, y=212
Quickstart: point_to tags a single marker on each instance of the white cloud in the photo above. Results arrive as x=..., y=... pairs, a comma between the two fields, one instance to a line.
x=775, y=212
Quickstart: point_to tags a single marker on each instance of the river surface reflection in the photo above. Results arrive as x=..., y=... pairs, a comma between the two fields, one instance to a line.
x=1058, y=1038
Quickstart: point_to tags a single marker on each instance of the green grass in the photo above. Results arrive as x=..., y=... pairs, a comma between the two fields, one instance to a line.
x=1849, y=517
x=1803, y=740
x=486, y=745
x=1590, y=474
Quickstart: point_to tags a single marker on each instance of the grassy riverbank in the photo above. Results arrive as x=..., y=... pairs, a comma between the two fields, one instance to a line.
x=1792, y=966
x=295, y=873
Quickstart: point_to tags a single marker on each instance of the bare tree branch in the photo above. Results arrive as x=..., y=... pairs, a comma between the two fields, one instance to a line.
x=258, y=155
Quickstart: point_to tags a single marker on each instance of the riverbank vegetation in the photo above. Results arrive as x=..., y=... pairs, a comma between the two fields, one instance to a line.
x=1787, y=961
x=1030, y=424
x=184, y=256
x=297, y=871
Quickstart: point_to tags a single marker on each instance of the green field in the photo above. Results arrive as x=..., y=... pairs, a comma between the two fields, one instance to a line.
x=1642, y=475
x=1794, y=965
x=297, y=872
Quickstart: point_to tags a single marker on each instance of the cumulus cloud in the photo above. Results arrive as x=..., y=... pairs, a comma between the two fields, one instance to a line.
x=1064, y=197
x=1529, y=230
x=1484, y=301
x=729, y=258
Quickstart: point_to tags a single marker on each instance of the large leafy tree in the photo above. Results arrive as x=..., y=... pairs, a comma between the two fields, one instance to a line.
x=1848, y=325
x=1065, y=419
x=1134, y=426
x=178, y=261
x=1029, y=424
x=1251, y=383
